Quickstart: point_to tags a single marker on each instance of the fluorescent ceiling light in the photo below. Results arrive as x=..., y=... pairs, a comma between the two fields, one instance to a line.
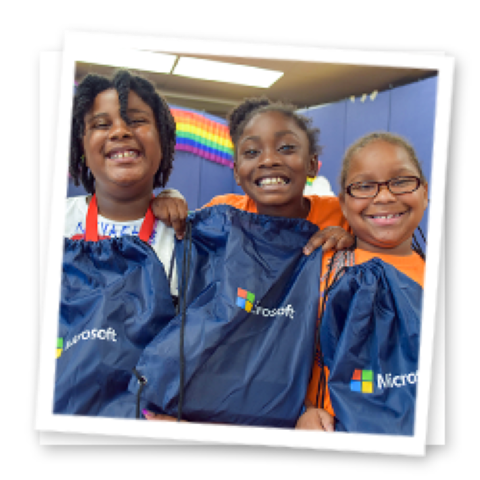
x=226, y=72
x=131, y=59
x=152, y=61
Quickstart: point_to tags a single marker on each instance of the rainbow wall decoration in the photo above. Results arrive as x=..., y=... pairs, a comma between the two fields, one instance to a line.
x=203, y=137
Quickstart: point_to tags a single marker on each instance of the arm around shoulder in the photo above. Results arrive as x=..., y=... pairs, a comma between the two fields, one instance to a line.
x=171, y=208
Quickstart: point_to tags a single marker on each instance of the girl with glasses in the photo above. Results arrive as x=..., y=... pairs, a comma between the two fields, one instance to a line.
x=383, y=196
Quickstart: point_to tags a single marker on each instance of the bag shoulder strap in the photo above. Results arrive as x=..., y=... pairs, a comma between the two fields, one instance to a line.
x=91, y=223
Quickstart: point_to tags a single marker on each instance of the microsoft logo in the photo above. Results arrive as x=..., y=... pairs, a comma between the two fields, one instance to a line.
x=108, y=334
x=362, y=381
x=245, y=299
x=59, y=347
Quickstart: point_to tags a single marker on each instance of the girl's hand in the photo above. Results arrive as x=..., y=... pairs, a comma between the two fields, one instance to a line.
x=316, y=419
x=330, y=238
x=159, y=417
x=171, y=208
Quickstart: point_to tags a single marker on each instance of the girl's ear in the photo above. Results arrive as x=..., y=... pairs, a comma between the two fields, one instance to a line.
x=312, y=167
x=341, y=199
x=235, y=173
x=425, y=197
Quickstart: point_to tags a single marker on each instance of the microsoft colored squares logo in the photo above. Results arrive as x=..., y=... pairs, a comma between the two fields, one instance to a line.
x=362, y=381
x=59, y=347
x=245, y=299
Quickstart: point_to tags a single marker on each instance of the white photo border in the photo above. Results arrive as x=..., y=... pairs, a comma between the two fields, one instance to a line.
x=126, y=51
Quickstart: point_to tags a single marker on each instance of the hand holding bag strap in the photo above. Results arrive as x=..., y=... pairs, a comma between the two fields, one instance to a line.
x=91, y=228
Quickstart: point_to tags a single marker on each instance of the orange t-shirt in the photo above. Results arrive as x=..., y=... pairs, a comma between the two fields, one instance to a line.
x=412, y=265
x=324, y=211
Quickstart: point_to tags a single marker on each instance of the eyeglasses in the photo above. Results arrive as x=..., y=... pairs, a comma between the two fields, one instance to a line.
x=397, y=186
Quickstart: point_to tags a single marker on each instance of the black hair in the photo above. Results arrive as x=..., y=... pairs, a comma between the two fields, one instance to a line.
x=416, y=246
x=123, y=82
x=245, y=111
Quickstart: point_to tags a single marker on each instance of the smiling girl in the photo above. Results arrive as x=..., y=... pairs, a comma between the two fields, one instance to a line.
x=122, y=147
x=276, y=149
x=384, y=193
x=383, y=196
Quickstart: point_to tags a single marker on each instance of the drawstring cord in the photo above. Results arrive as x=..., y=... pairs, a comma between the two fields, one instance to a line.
x=185, y=276
x=416, y=247
x=185, y=271
x=170, y=275
x=318, y=348
x=328, y=287
x=142, y=381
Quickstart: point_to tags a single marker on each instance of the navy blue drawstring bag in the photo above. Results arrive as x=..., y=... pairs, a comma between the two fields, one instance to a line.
x=115, y=298
x=369, y=336
x=242, y=350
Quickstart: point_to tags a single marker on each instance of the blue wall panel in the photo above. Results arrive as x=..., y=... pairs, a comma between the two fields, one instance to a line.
x=73, y=191
x=215, y=179
x=365, y=117
x=413, y=117
x=330, y=119
x=185, y=177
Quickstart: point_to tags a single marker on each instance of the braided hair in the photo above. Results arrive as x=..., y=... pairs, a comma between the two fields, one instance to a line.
x=250, y=107
x=123, y=82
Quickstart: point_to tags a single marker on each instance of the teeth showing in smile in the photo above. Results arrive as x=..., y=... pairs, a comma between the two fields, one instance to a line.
x=387, y=216
x=272, y=181
x=126, y=154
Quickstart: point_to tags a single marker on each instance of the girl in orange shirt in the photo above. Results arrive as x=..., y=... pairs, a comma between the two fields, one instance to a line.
x=276, y=150
x=383, y=196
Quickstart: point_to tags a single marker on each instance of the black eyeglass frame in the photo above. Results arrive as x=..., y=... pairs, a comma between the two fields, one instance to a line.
x=348, y=189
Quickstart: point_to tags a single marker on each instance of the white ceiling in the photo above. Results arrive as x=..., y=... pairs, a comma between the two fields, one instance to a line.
x=304, y=84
